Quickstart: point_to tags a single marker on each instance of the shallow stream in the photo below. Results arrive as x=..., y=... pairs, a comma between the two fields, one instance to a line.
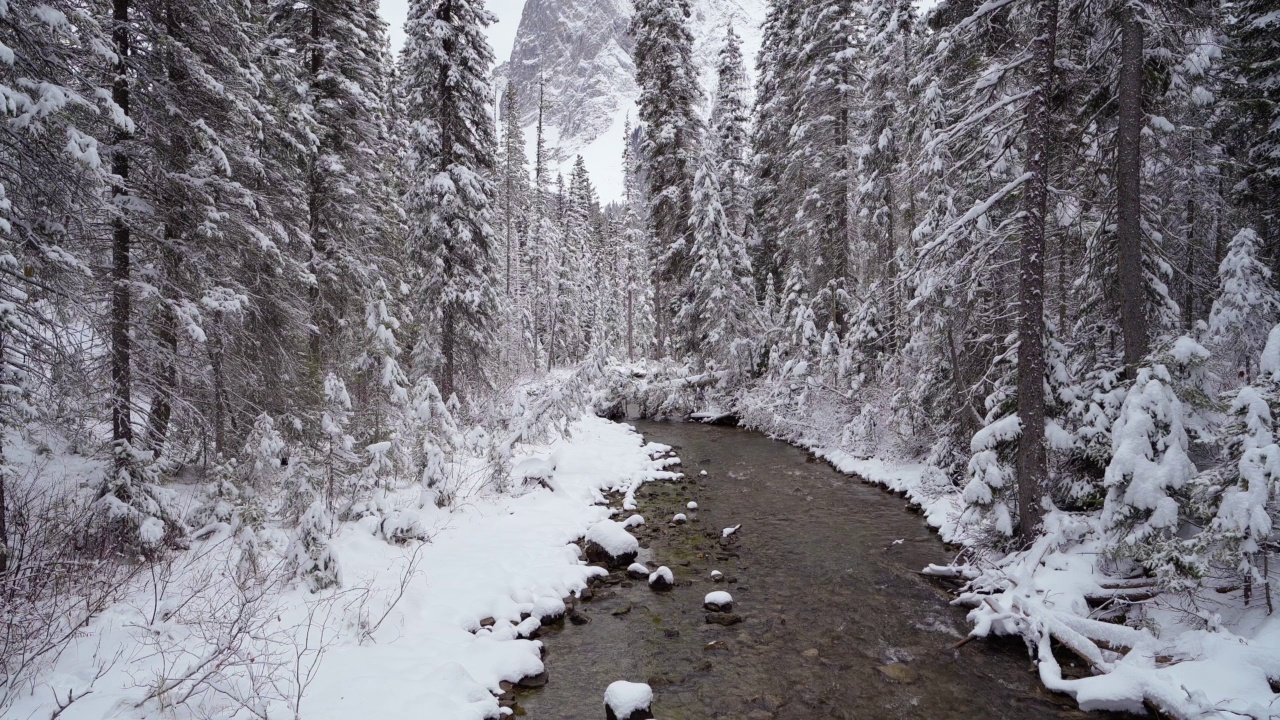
x=836, y=620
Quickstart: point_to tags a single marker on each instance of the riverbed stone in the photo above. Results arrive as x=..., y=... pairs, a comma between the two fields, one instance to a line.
x=622, y=610
x=722, y=618
x=598, y=555
x=533, y=681
x=897, y=672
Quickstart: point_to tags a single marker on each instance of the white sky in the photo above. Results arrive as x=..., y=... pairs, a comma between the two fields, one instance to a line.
x=501, y=34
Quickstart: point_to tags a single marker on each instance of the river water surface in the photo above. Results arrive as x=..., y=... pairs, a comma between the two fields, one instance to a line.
x=836, y=621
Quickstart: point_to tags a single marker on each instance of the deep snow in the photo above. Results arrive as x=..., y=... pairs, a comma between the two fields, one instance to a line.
x=457, y=631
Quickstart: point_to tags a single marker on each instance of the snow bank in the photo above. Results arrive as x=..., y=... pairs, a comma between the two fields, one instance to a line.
x=404, y=634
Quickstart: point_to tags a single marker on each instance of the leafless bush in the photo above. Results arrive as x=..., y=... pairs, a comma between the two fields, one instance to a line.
x=50, y=590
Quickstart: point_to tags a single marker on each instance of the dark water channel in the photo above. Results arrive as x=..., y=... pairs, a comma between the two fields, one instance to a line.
x=836, y=622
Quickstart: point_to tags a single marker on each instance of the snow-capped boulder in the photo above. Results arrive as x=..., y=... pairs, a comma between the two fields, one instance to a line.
x=718, y=601
x=717, y=576
x=628, y=701
x=609, y=543
x=692, y=505
x=633, y=521
x=679, y=519
x=730, y=531
x=636, y=570
x=661, y=579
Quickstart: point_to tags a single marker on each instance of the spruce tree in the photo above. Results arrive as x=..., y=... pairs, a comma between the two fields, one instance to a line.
x=449, y=192
x=717, y=318
x=669, y=101
x=728, y=130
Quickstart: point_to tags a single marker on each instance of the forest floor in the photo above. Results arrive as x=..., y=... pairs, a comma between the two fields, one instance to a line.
x=425, y=630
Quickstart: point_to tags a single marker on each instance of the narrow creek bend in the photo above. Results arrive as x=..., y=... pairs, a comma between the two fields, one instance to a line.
x=836, y=621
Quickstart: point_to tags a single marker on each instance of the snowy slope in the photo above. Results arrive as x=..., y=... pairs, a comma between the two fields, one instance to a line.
x=581, y=51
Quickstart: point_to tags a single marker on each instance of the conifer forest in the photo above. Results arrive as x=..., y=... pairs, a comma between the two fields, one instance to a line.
x=341, y=352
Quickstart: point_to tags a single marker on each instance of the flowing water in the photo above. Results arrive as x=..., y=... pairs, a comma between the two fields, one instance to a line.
x=836, y=621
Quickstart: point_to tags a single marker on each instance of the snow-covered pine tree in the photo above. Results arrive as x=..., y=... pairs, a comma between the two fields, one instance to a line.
x=773, y=179
x=1253, y=121
x=341, y=61
x=819, y=148
x=513, y=174
x=1149, y=466
x=716, y=321
x=1247, y=305
x=51, y=194
x=634, y=267
x=884, y=193
x=1236, y=500
x=729, y=128
x=669, y=101
x=449, y=195
x=337, y=460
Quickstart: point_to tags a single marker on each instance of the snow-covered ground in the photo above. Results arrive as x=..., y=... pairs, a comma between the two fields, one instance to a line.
x=423, y=630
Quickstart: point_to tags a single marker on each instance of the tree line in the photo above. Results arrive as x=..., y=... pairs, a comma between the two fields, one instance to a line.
x=1030, y=241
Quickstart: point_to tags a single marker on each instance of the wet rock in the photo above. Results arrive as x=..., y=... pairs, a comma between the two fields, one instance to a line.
x=661, y=579
x=759, y=715
x=533, y=681
x=577, y=618
x=810, y=653
x=622, y=610
x=718, y=601
x=671, y=633
x=723, y=618
x=586, y=594
x=897, y=672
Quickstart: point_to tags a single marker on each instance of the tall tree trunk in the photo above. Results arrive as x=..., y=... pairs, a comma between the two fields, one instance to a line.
x=1133, y=311
x=162, y=400
x=449, y=350
x=1031, y=463
x=4, y=503
x=121, y=303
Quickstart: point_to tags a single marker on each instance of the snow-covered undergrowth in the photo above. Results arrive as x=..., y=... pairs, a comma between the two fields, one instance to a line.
x=225, y=629
x=1158, y=591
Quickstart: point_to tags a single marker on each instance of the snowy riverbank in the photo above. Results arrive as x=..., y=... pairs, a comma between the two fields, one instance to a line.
x=1205, y=654
x=432, y=628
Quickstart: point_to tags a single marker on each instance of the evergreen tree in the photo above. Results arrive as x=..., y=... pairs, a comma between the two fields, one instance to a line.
x=728, y=129
x=446, y=64
x=1253, y=120
x=1247, y=306
x=717, y=318
x=669, y=99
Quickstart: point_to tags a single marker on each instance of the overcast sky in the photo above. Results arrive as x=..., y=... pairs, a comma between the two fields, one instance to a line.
x=501, y=34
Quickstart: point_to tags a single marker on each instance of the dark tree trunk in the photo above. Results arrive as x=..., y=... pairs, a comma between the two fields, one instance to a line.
x=1133, y=311
x=162, y=400
x=1031, y=463
x=449, y=350
x=121, y=303
x=4, y=504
